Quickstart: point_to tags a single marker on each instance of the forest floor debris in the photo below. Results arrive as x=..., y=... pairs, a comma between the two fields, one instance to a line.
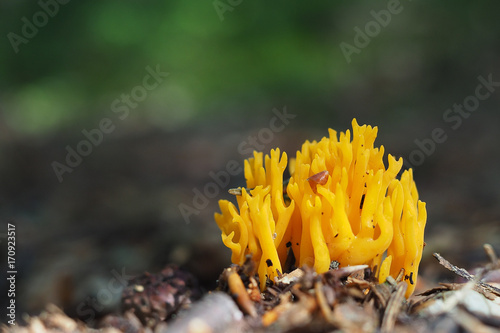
x=347, y=299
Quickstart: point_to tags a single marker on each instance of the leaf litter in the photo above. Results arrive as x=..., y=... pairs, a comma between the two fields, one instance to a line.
x=347, y=299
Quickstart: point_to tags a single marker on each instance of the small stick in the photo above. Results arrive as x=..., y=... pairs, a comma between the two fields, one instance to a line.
x=459, y=271
x=490, y=252
x=322, y=302
x=240, y=293
x=466, y=275
x=393, y=306
x=399, y=278
x=239, y=190
x=236, y=191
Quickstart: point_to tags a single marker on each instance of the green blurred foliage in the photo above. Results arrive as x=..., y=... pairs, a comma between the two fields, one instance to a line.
x=261, y=54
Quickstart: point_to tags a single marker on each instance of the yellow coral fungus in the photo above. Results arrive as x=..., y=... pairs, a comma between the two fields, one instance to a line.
x=343, y=204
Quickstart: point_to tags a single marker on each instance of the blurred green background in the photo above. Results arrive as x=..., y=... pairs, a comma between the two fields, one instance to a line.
x=118, y=209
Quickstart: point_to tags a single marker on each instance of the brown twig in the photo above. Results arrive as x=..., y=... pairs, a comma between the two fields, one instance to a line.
x=490, y=252
x=466, y=275
x=393, y=308
x=240, y=293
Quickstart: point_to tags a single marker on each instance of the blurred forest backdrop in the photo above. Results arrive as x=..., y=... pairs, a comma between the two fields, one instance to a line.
x=229, y=64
